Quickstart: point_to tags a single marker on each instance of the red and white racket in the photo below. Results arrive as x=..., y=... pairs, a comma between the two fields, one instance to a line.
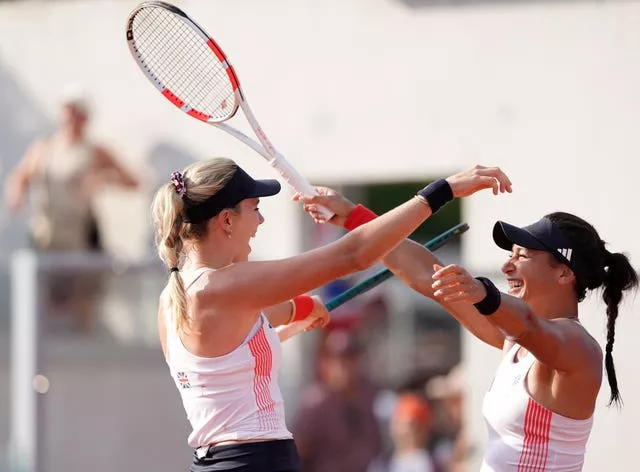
x=188, y=67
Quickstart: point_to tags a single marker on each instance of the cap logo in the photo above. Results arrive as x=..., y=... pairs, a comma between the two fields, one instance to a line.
x=566, y=253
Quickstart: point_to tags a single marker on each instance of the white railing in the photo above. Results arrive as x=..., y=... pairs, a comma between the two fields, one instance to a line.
x=29, y=378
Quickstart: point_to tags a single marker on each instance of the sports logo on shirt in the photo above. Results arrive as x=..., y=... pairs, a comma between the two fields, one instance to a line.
x=183, y=380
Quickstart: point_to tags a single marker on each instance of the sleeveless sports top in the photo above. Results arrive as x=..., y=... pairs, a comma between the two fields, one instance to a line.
x=524, y=436
x=231, y=397
x=62, y=210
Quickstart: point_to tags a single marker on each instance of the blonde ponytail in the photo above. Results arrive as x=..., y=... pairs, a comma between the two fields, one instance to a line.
x=168, y=209
x=201, y=181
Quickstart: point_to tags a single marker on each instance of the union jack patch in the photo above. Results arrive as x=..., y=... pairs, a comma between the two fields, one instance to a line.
x=183, y=380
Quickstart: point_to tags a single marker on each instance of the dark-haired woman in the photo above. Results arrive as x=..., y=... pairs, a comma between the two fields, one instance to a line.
x=539, y=408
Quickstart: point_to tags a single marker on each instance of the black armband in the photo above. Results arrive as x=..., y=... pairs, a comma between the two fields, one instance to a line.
x=437, y=194
x=491, y=302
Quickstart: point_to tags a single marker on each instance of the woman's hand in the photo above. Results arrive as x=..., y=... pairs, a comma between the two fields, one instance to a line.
x=478, y=178
x=320, y=315
x=454, y=284
x=330, y=199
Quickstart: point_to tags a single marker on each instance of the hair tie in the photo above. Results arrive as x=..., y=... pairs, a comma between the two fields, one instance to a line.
x=177, y=179
x=174, y=269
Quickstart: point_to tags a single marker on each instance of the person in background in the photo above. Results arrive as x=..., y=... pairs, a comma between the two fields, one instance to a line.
x=335, y=426
x=410, y=429
x=66, y=171
x=445, y=393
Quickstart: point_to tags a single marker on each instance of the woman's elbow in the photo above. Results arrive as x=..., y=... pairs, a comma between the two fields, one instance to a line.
x=360, y=260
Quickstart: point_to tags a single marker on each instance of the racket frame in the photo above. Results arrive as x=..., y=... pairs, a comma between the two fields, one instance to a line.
x=267, y=150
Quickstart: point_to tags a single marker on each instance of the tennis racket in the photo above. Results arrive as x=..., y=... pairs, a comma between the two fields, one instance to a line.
x=287, y=331
x=189, y=68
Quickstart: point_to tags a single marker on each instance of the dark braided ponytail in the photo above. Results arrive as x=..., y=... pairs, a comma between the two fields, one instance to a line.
x=599, y=268
x=619, y=277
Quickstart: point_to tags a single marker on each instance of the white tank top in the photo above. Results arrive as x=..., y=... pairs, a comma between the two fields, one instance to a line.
x=524, y=436
x=235, y=397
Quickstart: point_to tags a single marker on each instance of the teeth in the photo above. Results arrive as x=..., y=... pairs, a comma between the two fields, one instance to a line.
x=515, y=284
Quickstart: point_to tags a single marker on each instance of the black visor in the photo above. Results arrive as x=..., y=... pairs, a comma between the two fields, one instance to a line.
x=542, y=235
x=240, y=187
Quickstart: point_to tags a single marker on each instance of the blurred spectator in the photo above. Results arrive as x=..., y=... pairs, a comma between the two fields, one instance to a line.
x=335, y=427
x=446, y=392
x=66, y=170
x=410, y=426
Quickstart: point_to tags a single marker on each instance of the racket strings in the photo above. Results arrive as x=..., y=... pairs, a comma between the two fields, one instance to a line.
x=193, y=88
x=146, y=42
x=196, y=90
x=178, y=58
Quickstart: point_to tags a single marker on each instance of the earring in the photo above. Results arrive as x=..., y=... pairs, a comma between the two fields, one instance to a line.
x=229, y=235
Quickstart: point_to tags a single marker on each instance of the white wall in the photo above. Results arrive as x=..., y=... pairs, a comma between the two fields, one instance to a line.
x=373, y=91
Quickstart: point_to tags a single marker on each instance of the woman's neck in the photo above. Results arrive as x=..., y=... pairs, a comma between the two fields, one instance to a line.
x=196, y=259
x=552, y=307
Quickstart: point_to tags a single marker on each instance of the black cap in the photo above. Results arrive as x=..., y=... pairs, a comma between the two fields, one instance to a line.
x=542, y=235
x=240, y=187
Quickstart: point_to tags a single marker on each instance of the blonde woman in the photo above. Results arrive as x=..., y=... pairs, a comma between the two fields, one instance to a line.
x=218, y=311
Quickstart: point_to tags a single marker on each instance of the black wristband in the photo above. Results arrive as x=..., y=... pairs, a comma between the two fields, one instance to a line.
x=489, y=304
x=437, y=194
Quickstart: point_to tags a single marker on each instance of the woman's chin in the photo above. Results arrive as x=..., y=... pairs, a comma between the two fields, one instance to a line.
x=245, y=257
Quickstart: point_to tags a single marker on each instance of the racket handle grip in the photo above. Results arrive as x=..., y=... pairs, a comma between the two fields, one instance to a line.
x=293, y=178
x=293, y=329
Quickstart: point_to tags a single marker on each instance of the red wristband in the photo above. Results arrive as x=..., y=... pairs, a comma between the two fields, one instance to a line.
x=302, y=306
x=359, y=216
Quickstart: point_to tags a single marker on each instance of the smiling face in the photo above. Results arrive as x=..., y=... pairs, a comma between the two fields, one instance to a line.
x=245, y=222
x=533, y=274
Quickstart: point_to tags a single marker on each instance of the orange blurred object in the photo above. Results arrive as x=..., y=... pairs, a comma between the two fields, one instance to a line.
x=411, y=407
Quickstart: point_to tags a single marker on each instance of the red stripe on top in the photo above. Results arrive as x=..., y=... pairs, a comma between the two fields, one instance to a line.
x=269, y=412
x=270, y=409
x=261, y=351
x=538, y=446
x=263, y=371
x=535, y=447
x=526, y=443
x=172, y=98
x=544, y=455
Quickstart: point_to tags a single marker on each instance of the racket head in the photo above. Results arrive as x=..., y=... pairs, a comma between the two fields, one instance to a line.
x=183, y=62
